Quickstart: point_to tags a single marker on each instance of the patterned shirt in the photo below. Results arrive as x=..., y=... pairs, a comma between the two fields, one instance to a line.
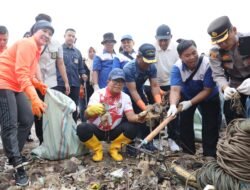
x=115, y=105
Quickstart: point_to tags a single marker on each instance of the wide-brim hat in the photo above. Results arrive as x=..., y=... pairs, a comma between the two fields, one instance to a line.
x=108, y=37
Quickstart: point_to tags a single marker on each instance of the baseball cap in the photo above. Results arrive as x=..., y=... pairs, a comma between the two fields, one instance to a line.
x=218, y=29
x=126, y=37
x=116, y=73
x=42, y=24
x=147, y=51
x=163, y=32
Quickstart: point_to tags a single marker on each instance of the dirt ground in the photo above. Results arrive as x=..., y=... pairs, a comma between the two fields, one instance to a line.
x=144, y=172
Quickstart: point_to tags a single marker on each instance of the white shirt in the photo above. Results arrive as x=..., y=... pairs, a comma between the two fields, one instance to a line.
x=165, y=61
x=116, y=106
x=47, y=63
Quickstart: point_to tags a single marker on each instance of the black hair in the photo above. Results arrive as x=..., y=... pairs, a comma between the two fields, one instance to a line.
x=43, y=16
x=184, y=44
x=27, y=34
x=70, y=29
x=3, y=30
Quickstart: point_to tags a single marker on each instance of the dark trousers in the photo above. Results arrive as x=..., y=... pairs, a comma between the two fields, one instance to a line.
x=82, y=101
x=231, y=113
x=16, y=120
x=39, y=122
x=210, y=111
x=74, y=95
x=173, y=127
x=86, y=130
x=143, y=129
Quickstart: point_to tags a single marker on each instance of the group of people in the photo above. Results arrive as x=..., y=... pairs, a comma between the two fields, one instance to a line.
x=120, y=86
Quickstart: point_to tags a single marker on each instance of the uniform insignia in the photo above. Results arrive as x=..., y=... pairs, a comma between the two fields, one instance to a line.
x=53, y=55
x=226, y=57
x=214, y=34
x=76, y=61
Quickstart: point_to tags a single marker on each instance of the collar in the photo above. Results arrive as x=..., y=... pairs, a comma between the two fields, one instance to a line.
x=67, y=47
x=158, y=48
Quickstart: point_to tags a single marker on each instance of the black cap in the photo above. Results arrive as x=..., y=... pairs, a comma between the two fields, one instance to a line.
x=147, y=51
x=163, y=32
x=218, y=29
x=108, y=37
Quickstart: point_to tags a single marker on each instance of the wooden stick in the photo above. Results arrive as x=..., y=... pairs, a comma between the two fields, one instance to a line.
x=158, y=129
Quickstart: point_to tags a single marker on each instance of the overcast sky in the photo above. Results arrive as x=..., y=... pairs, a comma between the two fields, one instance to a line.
x=92, y=18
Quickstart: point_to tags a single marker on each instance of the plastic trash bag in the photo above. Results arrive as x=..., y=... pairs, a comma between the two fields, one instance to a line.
x=59, y=129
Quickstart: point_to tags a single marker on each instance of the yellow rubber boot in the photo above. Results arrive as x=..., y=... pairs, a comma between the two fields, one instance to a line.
x=95, y=145
x=116, y=145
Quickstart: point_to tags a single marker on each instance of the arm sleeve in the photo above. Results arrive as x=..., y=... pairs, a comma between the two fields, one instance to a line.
x=218, y=73
x=176, y=79
x=128, y=103
x=97, y=63
x=208, y=79
x=26, y=56
x=129, y=74
x=153, y=72
x=116, y=63
x=80, y=65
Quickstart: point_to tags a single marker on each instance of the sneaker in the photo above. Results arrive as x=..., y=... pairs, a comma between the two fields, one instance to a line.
x=21, y=177
x=157, y=143
x=173, y=146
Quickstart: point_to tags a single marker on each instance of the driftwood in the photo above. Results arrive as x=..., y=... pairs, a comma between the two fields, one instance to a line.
x=184, y=175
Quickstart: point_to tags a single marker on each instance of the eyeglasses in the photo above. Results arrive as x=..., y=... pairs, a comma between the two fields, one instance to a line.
x=118, y=81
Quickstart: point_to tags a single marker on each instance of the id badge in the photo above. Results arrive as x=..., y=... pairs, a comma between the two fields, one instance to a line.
x=76, y=61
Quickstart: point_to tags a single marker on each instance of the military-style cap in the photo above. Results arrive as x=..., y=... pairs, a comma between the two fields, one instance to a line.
x=218, y=29
x=147, y=51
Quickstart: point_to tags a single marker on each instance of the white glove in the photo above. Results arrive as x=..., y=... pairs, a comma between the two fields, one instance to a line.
x=96, y=87
x=229, y=92
x=186, y=105
x=244, y=88
x=172, y=110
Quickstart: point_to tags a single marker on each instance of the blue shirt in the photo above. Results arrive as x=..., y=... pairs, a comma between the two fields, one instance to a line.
x=121, y=59
x=202, y=78
x=74, y=66
x=103, y=65
x=134, y=74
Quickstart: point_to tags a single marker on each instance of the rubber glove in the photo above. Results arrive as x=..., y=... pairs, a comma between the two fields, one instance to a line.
x=95, y=109
x=229, y=92
x=244, y=88
x=172, y=110
x=186, y=105
x=38, y=106
x=39, y=86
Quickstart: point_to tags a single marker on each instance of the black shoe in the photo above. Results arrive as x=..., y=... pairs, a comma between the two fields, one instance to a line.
x=150, y=147
x=21, y=177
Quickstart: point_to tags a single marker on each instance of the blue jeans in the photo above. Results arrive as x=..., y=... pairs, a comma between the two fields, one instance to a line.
x=16, y=119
